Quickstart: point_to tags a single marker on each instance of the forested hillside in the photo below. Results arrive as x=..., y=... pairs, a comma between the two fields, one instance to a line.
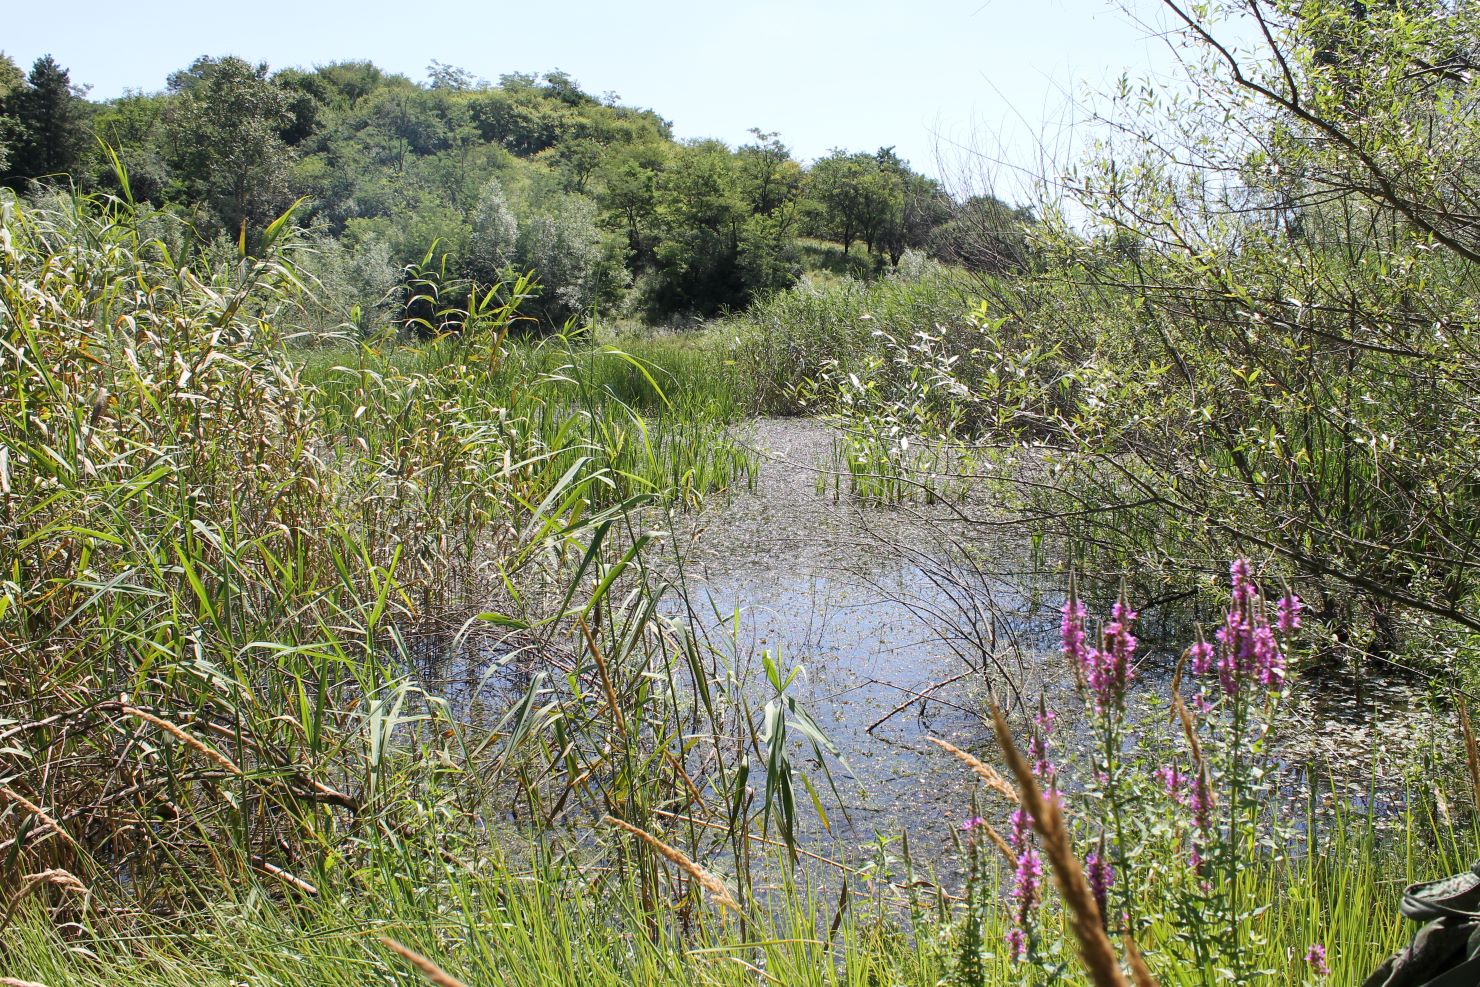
x=468, y=181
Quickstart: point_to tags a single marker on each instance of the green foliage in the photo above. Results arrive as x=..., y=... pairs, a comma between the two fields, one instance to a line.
x=1252, y=331
x=224, y=557
x=12, y=84
x=48, y=123
x=564, y=244
x=494, y=235
x=378, y=158
x=226, y=148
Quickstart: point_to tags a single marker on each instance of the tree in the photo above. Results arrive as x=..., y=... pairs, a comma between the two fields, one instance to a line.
x=851, y=196
x=129, y=126
x=628, y=192
x=983, y=235
x=12, y=84
x=226, y=148
x=50, y=122
x=769, y=179
x=307, y=94
x=440, y=75
x=494, y=236
x=700, y=214
x=1304, y=391
x=562, y=244
x=910, y=206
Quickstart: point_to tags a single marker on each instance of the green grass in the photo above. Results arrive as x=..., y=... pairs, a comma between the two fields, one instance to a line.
x=500, y=922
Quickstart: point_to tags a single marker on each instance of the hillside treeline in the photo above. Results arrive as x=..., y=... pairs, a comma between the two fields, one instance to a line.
x=457, y=180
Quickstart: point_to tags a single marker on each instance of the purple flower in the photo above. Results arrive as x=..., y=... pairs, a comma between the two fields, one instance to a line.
x=1202, y=657
x=1200, y=801
x=1243, y=586
x=1175, y=781
x=1026, y=882
x=1043, y=768
x=1022, y=830
x=1027, y=879
x=1110, y=668
x=1100, y=875
x=1247, y=650
x=972, y=823
x=1288, y=620
x=1074, y=641
x=1315, y=958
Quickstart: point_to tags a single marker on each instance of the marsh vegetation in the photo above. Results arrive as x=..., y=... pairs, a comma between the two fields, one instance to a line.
x=1082, y=593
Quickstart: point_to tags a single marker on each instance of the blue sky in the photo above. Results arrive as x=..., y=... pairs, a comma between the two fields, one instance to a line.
x=927, y=76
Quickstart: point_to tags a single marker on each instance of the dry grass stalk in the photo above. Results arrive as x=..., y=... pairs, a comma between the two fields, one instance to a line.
x=606, y=679
x=1140, y=972
x=57, y=877
x=1095, y=950
x=717, y=891
x=210, y=753
x=1001, y=844
x=434, y=973
x=984, y=771
x=1189, y=728
x=38, y=812
x=1472, y=750
x=688, y=783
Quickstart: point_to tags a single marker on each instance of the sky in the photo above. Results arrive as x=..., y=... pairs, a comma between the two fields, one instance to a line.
x=952, y=85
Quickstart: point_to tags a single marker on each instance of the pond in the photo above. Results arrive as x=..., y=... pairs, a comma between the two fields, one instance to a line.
x=906, y=621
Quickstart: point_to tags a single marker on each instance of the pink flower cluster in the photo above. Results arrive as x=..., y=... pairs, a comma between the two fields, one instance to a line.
x=1109, y=669
x=1248, y=651
x=1101, y=876
x=1027, y=881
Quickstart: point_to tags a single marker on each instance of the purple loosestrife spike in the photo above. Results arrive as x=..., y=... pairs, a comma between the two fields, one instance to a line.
x=1288, y=620
x=1074, y=641
x=1175, y=781
x=972, y=823
x=1022, y=830
x=1315, y=958
x=1026, y=882
x=1100, y=875
x=1247, y=651
x=1043, y=768
x=1243, y=586
x=1202, y=657
x=1201, y=804
x=1111, y=668
x=1269, y=661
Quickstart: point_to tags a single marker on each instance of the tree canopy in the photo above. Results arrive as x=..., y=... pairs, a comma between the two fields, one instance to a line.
x=529, y=172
